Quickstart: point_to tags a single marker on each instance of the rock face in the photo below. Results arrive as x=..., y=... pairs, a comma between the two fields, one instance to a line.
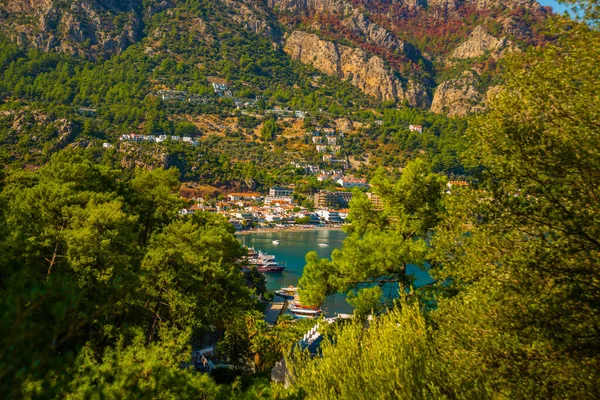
x=354, y=20
x=376, y=55
x=251, y=16
x=307, y=6
x=375, y=34
x=368, y=73
x=444, y=6
x=457, y=97
x=85, y=27
x=478, y=44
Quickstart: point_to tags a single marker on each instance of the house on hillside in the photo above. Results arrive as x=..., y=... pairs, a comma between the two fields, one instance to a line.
x=416, y=128
x=348, y=183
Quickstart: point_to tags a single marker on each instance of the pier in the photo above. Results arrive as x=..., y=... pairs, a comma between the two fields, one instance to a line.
x=274, y=309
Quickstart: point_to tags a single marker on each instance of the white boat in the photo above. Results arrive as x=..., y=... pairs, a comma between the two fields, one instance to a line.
x=302, y=312
x=323, y=245
x=289, y=292
x=275, y=242
x=263, y=262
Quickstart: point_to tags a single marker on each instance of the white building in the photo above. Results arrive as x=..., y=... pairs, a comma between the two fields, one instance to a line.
x=348, y=183
x=279, y=191
x=416, y=128
x=249, y=196
x=329, y=215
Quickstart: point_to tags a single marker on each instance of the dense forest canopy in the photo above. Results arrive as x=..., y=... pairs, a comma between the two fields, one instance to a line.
x=105, y=286
x=515, y=256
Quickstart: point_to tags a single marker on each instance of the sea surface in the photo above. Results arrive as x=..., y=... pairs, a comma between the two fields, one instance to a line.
x=292, y=249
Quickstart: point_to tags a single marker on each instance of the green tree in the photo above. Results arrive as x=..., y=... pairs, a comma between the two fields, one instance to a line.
x=380, y=243
x=152, y=196
x=393, y=358
x=519, y=253
x=269, y=130
x=191, y=276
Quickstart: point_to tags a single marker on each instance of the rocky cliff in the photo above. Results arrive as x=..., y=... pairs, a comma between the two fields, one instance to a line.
x=379, y=36
x=378, y=41
x=391, y=50
x=82, y=27
x=366, y=72
x=478, y=44
x=461, y=96
x=457, y=97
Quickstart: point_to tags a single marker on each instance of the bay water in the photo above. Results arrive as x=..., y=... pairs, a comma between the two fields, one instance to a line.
x=291, y=250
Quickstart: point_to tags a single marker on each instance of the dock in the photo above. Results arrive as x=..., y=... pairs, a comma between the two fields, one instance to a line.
x=274, y=309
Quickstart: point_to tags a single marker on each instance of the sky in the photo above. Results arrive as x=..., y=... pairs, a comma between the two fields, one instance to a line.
x=559, y=8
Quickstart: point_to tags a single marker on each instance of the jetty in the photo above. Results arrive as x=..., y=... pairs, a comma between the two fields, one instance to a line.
x=274, y=309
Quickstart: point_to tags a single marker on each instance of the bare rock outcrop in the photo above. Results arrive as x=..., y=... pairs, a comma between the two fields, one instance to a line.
x=368, y=73
x=308, y=6
x=353, y=19
x=443, y=7
x=379, y=36
x=457, y=97
x=479, y=42
x=85, y=27
x=251, y=16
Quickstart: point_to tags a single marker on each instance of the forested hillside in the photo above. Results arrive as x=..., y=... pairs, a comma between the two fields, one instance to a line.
x=82, y=73
x=106, y=286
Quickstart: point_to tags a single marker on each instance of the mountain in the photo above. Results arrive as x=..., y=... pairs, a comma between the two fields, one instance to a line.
x=431, y=54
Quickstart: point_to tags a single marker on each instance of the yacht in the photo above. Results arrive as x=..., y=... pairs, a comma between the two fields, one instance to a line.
x=275, y=242
x=264, y=262
x=288, y=293
x=323, y=245
x=270, y=266
x=305, y=312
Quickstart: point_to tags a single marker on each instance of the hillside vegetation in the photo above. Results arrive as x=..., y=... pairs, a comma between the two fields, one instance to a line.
x=105, y=287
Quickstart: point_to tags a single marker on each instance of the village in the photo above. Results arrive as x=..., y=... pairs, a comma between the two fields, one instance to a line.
x=277, y=209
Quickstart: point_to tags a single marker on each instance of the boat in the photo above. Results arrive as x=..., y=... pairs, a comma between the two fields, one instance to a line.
x=301, y=313
x=263, y=262
x=298, y=310
x=297, y=304
x=275, y=242
x=323, y=245
x=270, y=268
x=288, y=293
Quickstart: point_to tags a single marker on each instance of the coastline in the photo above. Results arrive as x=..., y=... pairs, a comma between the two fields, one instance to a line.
x=291, y=228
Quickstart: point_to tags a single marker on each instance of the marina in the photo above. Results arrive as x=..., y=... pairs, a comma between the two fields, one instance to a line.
x=291, y=252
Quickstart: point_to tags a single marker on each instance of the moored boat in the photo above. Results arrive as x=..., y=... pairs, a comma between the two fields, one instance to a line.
x=289, y=292
x=300, y=312
x=270, y=268
x=263, y=262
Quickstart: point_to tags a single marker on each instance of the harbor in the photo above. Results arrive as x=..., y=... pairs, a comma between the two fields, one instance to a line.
x=291, y=251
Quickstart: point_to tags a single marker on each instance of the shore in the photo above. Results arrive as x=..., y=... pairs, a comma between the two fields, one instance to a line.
x=291, y=228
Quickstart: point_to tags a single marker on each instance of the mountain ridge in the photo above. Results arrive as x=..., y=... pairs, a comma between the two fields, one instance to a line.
x=369, y=44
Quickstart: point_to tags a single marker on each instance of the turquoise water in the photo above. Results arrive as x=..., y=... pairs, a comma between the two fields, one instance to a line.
x=292, y=249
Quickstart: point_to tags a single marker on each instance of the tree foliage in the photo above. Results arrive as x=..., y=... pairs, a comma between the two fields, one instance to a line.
x=515, y=256
x=380, y=243
x=102, y=283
